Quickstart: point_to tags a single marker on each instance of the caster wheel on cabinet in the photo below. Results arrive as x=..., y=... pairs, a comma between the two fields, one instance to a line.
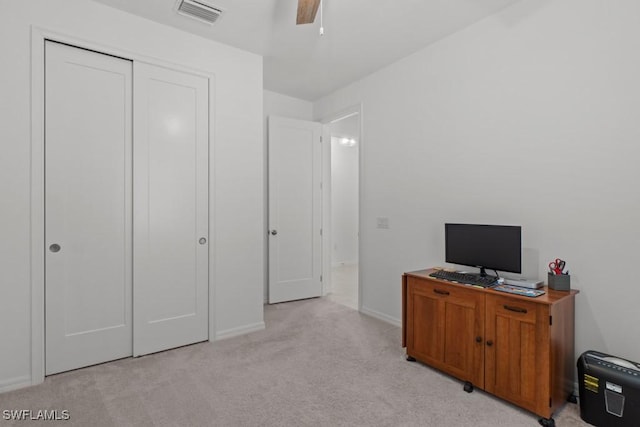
x=411, y=359
x=468, y=387
x=547, y=422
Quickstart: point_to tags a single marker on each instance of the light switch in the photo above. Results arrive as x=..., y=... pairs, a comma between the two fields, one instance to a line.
x=383, y=222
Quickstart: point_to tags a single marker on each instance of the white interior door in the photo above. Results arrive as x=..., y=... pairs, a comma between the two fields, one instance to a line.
x=171, y=157
x=295, y=209
x=87, y=208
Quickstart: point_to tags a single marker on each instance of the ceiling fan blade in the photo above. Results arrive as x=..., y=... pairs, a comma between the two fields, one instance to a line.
x=307, y=10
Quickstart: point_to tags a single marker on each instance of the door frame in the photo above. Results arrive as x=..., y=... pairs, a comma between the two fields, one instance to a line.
x=37, y=187
x=326, y=193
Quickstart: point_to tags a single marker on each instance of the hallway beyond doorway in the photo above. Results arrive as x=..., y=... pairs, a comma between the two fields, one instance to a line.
x=344, y=279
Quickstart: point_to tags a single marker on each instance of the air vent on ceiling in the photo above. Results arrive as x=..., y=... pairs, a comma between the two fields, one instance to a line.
x=199, y=10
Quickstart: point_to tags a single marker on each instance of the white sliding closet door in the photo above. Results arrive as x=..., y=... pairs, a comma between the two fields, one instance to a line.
x=171, y=208
x=88, y=212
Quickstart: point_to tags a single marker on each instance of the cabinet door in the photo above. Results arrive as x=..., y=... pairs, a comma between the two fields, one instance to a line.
x=445, y=328
x=517, y=352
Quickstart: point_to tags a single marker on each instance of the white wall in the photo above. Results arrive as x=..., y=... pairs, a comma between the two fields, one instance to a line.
x=237, y=152
x=529, y=117
x=276, y=104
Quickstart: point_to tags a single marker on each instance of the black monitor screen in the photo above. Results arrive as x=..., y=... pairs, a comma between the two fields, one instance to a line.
x=496, y=247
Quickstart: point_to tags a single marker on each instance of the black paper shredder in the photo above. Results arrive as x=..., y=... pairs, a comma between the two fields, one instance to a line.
x=609, y=390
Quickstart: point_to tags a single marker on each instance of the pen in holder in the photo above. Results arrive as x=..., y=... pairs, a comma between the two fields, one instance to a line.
x=559, y=282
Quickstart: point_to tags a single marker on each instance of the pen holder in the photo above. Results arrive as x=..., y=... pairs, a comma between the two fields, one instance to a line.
x=559, y=282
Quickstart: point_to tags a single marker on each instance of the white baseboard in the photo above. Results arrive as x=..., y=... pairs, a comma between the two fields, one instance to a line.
x=242, y=330
x=15, y=383
x=381, y=316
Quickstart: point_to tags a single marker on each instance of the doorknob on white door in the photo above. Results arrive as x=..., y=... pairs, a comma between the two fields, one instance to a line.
x=274, y=232
x=54, y=248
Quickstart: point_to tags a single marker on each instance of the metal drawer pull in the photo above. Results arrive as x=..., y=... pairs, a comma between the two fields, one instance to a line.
x=516, y=309
x=438, y=291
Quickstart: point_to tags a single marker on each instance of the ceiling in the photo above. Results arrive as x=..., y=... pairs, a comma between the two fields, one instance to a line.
x=360, y=36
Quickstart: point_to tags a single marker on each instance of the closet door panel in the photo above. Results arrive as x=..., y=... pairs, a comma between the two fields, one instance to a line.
x=170, y=209
x=88, y=211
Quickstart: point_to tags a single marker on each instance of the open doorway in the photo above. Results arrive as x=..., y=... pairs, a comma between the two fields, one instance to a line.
x=345, y=206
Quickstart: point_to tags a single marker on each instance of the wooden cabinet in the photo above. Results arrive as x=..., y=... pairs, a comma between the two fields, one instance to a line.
x=519, y=349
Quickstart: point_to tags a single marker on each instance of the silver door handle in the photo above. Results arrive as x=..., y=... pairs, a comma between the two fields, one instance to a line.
x=54, y=248
x=274, y=232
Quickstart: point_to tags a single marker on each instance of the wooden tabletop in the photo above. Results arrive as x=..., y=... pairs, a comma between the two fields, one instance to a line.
x=550, y=296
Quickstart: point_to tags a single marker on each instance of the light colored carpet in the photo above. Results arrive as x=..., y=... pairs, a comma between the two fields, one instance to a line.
x=317, y=363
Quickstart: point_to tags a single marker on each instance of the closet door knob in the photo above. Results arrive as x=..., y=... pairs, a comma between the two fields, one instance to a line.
x=54, y=248
x=274, y=232
x=202, y=240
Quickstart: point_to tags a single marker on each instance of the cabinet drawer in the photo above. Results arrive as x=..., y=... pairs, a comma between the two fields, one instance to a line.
x=439, y=290
x=511, y=307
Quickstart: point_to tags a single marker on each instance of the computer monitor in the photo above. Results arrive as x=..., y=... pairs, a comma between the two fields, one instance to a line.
x=494, y=247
